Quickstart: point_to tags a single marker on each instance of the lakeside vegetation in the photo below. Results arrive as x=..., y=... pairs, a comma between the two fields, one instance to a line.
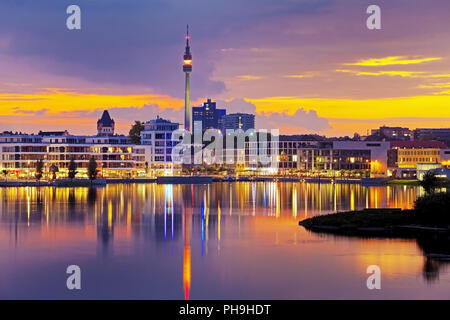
x=431, y=211
x=403, y=182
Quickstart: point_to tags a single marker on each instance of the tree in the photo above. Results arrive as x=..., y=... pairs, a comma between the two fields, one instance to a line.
x=92, y=169
x=135, y=132
x=53, y=170
x=39, y=169
x=72, y=169
x=429, y=182
x=5, y=174
x=146, y=167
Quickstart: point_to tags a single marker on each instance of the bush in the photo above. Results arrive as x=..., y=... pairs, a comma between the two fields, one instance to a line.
x=429, y=182
x=434, y=207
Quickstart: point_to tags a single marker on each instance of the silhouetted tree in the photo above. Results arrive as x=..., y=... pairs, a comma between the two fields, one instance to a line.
x=429, y=182
x=92, y=169
x=5, y=174
x=72, y=168
x=39, y=169
x=135, y=132
x=54, y=169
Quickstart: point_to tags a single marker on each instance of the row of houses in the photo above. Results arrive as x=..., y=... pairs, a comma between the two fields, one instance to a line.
x=117, y=156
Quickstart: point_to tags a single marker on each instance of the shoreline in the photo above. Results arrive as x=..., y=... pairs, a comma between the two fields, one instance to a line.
x=204, y=180
x=385, y=222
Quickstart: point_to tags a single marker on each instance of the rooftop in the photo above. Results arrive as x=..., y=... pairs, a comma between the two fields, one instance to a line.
x=418, y=144
x=106, y=119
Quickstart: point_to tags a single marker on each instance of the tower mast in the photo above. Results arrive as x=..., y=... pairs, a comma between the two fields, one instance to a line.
x=187, y=69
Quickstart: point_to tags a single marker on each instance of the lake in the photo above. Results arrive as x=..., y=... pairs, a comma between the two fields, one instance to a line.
x=220, y=241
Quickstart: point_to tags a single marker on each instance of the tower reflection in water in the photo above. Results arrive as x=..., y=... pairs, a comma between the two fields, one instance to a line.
x=184, y=217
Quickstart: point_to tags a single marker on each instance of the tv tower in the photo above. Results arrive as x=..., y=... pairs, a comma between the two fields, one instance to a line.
x=187, y=69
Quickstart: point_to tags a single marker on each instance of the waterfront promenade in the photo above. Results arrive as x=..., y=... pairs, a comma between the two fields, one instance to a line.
x=200, y=179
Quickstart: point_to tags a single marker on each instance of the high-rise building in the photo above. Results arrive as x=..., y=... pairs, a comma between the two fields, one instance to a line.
x=235, y=121
x=105, y=125
x=187, y=69
x=209, y=116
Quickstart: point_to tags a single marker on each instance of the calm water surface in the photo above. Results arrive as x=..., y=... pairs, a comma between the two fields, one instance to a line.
x=222, y=241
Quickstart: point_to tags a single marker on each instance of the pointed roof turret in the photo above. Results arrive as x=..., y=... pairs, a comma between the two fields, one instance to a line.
x=106, y=119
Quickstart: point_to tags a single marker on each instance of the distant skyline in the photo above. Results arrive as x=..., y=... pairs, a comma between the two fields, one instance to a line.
x=304, y=66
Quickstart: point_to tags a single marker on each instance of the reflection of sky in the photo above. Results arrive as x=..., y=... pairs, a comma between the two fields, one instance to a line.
x=238, y=240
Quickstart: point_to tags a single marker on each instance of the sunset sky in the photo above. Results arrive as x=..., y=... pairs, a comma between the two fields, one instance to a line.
x=305, y=66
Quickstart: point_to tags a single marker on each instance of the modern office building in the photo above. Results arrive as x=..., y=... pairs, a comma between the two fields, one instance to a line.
x=407, y=154
x=405, y=157
x=329, y=157
x=156, y=138
x=115, y=155
x=235, y=121
x=209, y=116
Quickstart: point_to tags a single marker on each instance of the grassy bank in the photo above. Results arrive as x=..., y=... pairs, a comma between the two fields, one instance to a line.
x=403, y=182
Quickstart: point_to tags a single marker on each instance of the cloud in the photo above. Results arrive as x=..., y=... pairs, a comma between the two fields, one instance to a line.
x=403, y=74
x=83, y=121
x=298, y=76
x=388, y=61
x=248, y=77
x=56, y=101
x=300, y=121
x=140, y=42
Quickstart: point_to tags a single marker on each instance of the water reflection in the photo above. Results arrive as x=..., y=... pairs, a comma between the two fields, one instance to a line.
x=192, y=224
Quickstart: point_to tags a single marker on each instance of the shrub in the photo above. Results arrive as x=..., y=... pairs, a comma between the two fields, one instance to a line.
x=434, y=207
x=429, y=182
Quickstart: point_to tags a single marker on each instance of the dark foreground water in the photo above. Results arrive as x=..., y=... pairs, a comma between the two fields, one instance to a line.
x=222, y=241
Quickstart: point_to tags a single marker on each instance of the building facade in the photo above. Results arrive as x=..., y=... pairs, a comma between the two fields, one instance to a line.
x=115, y=155
x=209, y=116
x=440, y=134
x=236, y=121
x=156, y=138
x=330, y=157
x=405, y=157
x=393, y=133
